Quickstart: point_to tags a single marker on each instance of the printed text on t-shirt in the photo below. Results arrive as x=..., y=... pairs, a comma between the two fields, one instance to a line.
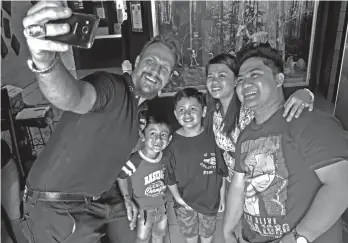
x=154, y=184
x=208, y=164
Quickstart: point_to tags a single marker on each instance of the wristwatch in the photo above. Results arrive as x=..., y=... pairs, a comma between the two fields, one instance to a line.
x=299, y=238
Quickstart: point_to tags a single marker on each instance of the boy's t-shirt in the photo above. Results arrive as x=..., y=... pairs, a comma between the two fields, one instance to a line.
x=147, y=177
x=279, y=160
x=196, y=165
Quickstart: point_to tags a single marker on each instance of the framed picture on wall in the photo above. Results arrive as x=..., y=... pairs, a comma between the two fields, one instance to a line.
x=136, y=17
x=204, y=29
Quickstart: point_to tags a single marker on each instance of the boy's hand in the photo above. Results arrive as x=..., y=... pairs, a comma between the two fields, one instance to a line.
x=132, y=212
x=182, y=203
x=187, y=207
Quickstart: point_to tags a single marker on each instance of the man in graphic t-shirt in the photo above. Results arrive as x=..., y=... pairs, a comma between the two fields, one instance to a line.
x=291, y=182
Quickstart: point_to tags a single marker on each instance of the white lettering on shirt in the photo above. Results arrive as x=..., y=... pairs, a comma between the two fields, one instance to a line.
x=157, y=175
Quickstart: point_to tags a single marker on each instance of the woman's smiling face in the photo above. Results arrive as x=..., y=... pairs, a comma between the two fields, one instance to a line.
x=220, y=81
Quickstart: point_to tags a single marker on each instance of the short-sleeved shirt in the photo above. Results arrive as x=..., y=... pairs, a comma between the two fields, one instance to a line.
x=86, y=152
x=197, y=167
x=147, y=176
x=279, y=160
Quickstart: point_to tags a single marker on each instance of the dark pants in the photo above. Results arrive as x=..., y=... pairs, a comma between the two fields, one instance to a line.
x=46, y=222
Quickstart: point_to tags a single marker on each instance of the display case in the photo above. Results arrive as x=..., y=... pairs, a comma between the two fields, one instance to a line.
x=207, y=28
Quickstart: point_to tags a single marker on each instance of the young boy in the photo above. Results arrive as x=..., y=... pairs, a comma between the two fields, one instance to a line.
x=196, y=170
x=145, y=168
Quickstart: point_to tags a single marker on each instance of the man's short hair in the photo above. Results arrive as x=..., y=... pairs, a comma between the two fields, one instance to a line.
x=189, y=93
x=157, y=120
x=271, y=57
x=166, y=40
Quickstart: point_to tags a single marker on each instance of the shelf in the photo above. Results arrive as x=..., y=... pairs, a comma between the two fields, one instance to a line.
x=109, y=36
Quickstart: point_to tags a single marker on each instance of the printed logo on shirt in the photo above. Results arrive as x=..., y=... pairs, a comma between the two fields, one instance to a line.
x=266, y=185
x=155, y=184
x=208, y=164
x=267, y=226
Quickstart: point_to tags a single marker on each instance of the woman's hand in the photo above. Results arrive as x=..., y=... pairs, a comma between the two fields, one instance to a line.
x=222, y=205
x=297, y=102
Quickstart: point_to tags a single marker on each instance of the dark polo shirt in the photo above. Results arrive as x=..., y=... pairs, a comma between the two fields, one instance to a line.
x=86, y=152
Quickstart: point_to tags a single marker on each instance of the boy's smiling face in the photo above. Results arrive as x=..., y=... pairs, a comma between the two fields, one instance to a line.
x=189, y=112
x=156, y=137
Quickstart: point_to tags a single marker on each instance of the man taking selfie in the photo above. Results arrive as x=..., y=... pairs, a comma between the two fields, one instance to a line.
x=95, y=136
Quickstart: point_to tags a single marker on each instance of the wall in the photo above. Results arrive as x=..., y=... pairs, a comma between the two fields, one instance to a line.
x=138, y=39
x=341, y=107
x=12, y=63
x=14, y=69
x=337, y=51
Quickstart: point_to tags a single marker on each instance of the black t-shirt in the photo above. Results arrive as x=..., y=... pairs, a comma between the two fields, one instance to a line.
x=197, y=167
x=86, y=152
x=279, y=160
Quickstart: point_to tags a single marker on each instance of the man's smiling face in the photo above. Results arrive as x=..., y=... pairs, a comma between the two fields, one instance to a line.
x=153, y=70
x=256, y=83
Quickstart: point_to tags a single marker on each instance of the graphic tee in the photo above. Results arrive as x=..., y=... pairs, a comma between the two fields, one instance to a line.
x=147, y=176
x=197, y=167
x=279, y=160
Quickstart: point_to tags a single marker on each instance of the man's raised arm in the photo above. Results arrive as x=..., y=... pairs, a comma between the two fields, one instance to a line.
x=55, y=81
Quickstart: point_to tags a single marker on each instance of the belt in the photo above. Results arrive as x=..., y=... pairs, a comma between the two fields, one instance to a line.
x=55, y=196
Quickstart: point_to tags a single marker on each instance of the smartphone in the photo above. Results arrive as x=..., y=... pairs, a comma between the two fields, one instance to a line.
x=83, y=28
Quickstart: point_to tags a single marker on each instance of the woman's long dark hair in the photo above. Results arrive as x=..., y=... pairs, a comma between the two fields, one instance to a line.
x=231, y=116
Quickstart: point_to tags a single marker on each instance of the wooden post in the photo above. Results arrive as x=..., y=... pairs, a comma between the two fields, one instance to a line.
x=281, y=39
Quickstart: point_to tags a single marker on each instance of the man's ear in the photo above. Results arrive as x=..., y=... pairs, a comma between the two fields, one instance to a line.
x=170, y=138
x=137, y=61
x=280, y=79
x=175, y=114
x=204, y=111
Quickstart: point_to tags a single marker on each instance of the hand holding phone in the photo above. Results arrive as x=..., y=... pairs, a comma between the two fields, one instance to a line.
x=82, y=32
